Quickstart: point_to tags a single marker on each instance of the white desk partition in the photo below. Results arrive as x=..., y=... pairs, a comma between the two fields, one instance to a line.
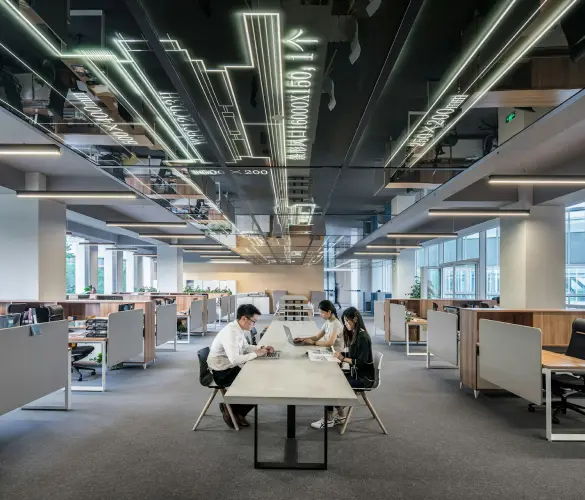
x=211, y=310
x=378, y=316
x=442, y=336
x=510, y=356
x=397, y=323
x=125, y=336
x=232, y=299
x=32, y=366
x=224, y=307
x=196, y=312
x=166, y=323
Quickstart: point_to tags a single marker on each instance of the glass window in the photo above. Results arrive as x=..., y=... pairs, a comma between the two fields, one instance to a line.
x=70, y=244
x=450, y=251
x=447, y=291
x=434, y=283
x=433, y=252
x=575, y=252
x=100, y=270
x=492, y=260
x=465, y=281
x=470, y=247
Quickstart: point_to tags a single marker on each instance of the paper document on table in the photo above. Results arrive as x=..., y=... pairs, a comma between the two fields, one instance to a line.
x=322, y=355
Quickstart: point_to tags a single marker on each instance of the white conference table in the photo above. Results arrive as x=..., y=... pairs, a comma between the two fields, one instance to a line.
x=291, y=380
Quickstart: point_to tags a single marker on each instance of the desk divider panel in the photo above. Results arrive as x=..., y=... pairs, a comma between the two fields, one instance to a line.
x=224, y=307
x=166, y=323
x=397, y=323
x=510, y=356
x=125, y=336
x=233, y=308
x=211, y=310
x=442, y=336
x=379, y=315
x=196, y=312
x=32, y=366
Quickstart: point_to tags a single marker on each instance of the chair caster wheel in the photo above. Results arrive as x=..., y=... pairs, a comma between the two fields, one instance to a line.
x=555, y=420
x=93, y=372
x=564, y=410
x=531, y=409
x=80, y=379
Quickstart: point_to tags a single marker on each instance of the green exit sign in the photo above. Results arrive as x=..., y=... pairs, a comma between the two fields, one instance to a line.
x=510, y=117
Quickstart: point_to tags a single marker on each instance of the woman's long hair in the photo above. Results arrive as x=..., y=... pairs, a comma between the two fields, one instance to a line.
x=327, y=306
x=355, y=316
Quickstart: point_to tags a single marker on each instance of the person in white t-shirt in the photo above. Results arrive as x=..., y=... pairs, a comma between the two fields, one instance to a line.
x=331, y=334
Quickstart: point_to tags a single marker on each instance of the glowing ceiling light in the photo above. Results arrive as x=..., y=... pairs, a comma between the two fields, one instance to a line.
x=170, y=236
x=376, y=253
x=218, y=261
x=548, y=180
x=393, y=246
x=478, y=213
x=421, y=236
x=147, y=224
x=29, y=150
x=201, y=247
x=77, y=194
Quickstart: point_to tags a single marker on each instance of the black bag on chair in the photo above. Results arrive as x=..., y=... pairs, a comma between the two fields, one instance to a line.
x=205, y=376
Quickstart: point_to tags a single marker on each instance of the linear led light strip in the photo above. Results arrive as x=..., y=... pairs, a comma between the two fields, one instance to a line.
x=208, y=90
x=537, y=179
x=154, y=96
x=19, y=16
x=274, y=97
x=528, y=44
x=453, y=79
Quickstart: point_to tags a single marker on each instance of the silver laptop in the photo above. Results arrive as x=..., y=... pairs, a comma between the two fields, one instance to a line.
x=289, y=336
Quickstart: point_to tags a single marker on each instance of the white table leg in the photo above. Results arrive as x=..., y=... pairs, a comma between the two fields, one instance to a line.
x=548, y=402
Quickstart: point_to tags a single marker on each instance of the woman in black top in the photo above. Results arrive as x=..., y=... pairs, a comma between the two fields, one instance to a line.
x=359, y=357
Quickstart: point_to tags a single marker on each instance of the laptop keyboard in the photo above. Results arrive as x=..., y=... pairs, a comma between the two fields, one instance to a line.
x=272, y=355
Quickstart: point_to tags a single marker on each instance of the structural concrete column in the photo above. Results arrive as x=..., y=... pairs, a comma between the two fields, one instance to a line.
x=403, y=274
x=138, y=273
x=93, y=265
x=81, y=268
x=169, y=269
x=119, y=276
x=130, y=282
x=32, y=249
x=532, y=259
x=109, y=271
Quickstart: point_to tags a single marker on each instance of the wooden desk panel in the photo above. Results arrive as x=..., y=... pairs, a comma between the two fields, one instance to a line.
x=556, y=326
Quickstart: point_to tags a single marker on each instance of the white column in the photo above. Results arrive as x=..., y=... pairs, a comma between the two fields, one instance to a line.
x=138, y=273
x=81, y=268
x=170, y=269
x=532, y=259
x=93, y=266
x=147, y=271
x=400, y=203
x=403, y=274
x=109, y=271
x=129, y=257
x=32, y=249
x=119, y=278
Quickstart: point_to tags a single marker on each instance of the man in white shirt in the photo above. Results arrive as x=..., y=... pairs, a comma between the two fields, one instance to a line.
x=229, y=351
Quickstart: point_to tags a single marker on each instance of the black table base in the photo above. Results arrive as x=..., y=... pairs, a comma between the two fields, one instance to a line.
x=290, y=447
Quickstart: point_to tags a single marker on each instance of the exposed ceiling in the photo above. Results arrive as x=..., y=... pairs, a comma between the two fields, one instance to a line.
x=214, y=82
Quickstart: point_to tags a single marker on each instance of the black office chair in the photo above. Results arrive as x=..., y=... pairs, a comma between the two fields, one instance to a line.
x=565, y=386
x=484, y=305
x=206, y=380
x=18, y=308
x=435, y=306
x=49, y=313
x=78, y=354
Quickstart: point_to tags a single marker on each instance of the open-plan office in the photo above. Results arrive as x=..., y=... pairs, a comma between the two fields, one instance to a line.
x=292, y=249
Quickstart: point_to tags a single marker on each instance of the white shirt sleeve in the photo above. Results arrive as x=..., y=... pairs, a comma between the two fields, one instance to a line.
x=232, y=350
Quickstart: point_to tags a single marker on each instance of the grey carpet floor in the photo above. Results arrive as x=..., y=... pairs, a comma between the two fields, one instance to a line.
x=135, y=442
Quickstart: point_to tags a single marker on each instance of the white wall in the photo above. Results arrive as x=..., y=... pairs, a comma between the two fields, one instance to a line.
x=251, y=278
x=403, y=274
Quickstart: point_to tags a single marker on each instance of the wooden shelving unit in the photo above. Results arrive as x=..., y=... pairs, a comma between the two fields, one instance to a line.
x=295, y=308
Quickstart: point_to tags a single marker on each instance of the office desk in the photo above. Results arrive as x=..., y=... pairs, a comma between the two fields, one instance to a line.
x=185, y=316
x=291, y=380
x=417, y=323
x=558, y=363
x=103, y=342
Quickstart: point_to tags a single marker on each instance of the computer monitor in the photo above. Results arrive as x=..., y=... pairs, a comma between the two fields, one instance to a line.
x=126, y=307
x=9, y=320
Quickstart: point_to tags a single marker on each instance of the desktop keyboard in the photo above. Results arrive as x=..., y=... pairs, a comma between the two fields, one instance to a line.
x=271, y=355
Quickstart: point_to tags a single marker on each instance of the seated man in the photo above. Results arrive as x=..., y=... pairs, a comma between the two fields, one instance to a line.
x=229, y=351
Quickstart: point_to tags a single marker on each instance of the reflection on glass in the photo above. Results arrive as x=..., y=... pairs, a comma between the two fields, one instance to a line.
x=447, y=283
x=434, y=283
x=465, y=282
